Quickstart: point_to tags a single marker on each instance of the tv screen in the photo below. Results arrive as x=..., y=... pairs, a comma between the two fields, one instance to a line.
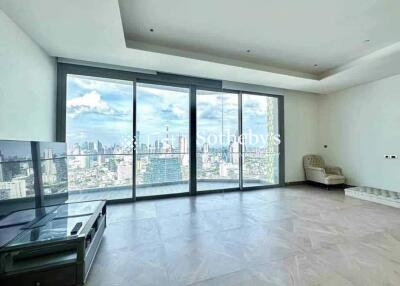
x=16, y=176
x=18, y=187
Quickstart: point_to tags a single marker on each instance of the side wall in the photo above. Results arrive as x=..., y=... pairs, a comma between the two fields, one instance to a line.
x=27, y=86
x=360, y=125
x=301, y=127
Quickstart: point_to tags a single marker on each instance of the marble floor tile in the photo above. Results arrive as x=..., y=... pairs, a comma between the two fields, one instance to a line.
x=257, y=245
x=306, y=234
x=268, y=212
x=183, y=226
x=128, y=211
x=198, y=258
x=238, y=278
x=128, y=234
x=225, y=219
x=140, y=265
x=301, y=235
x=175, y=207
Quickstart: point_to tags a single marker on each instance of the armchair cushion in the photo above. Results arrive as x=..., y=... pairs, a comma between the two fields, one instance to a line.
x=315, y=169
x=333, y=170
x=334, y=179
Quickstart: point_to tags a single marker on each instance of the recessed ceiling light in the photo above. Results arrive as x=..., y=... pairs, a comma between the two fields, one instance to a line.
x=151, y=30
x=247, y=51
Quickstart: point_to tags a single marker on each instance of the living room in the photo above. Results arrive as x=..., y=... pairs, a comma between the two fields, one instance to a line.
x=201, y=143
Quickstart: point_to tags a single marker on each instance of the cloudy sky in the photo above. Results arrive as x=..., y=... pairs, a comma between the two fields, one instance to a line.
x=98, y=110
x=102, y=110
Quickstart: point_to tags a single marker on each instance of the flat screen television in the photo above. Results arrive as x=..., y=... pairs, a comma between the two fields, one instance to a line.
x=32, y=174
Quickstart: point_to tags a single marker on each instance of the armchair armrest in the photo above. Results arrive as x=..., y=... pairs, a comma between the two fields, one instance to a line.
x=333, y=170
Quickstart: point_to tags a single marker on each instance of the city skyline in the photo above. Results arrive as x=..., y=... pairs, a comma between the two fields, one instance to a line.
x=100, y=136
x=99, y=109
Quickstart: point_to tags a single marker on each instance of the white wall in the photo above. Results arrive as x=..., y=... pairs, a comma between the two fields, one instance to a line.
x=27, y=86
x=301, y=127
x=360, y=125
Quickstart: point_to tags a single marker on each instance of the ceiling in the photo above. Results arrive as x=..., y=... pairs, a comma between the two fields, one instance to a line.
x=275, y=43
x=293, y=35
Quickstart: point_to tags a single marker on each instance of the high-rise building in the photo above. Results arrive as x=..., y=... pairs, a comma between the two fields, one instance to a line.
x=234, y=151
x=161, y=170
x=1, y=167
x=205, y=148
x=167, y=145
x=99, y=148
x=18, y=188
x=137, y=142
x=157, y=146
x=76, y=149
x=183, y=144
x=124, y=171
x=91, y=146
x=14, y=189
x=48, y=163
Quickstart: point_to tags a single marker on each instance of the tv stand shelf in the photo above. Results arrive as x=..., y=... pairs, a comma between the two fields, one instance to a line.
x=47, y=252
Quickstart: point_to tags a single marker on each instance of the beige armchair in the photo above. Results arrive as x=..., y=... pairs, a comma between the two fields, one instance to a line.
x=316, y=171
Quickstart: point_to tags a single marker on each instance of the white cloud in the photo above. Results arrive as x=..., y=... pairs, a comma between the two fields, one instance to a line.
x=102, y=85
x=89, y=103
x=179, y=112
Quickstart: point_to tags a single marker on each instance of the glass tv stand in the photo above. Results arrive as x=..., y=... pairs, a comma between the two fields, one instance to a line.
x=53, y=245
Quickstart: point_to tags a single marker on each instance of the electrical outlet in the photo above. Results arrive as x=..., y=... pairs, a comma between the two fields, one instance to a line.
x=391, y=156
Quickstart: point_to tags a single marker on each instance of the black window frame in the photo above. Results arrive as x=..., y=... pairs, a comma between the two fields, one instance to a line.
x=193, y=83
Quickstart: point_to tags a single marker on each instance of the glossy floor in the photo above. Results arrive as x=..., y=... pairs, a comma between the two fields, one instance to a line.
x=299, y=235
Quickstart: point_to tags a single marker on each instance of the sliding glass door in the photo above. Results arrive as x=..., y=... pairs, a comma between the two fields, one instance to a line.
x=162, y=139
x=98, y=136
x=261, y=139
x=217, y=145
x=135, y=135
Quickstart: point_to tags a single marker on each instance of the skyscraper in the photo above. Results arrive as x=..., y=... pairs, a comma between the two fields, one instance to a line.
x=91, y=146
x=49, y=167
x=100, y=149
x=161, y=170
x=183, y=150
x=137, y=143
x=1, y=167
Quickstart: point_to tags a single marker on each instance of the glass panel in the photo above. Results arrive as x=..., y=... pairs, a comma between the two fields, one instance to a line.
x=99, y=138
x=77, y=209
x=25, y=216
x=53, y=230
x=162, y=140
x=260, y=140
x=17, y=180
x=54, y=172
x=16, y=177
x=13, y=224
x=217, y=144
